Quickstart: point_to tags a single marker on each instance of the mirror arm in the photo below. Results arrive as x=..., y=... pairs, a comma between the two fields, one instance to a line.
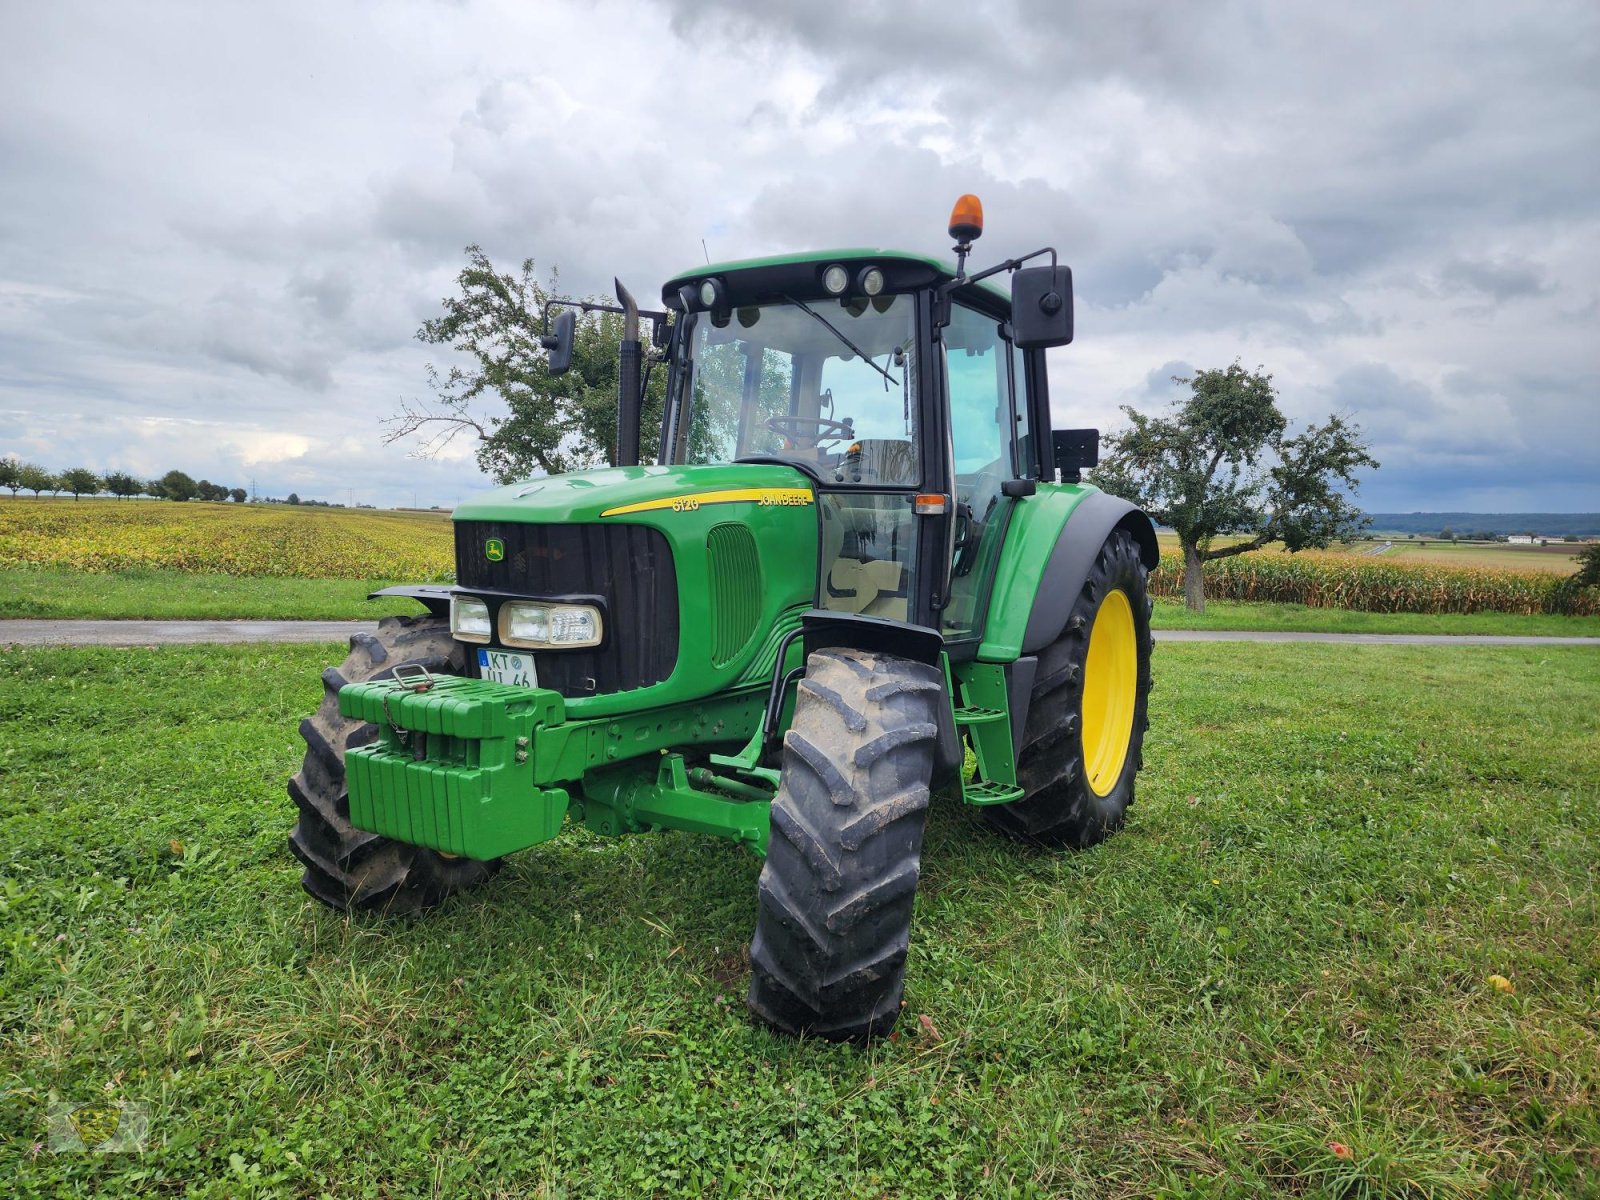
x=1011, y=264
x=658, y=320
x=942, y=307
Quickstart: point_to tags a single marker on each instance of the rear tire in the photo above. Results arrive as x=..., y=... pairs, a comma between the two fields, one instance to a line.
x=1078, y=760
x=348, y=868
x=829, y=953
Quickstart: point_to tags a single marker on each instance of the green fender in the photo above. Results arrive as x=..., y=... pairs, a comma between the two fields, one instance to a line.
x=1050, y=545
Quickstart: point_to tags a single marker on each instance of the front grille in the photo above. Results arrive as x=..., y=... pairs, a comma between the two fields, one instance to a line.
x=735, y=569
x=628, y=566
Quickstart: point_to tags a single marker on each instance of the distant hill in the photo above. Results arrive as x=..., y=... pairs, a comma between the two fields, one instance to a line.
x=1435, y=523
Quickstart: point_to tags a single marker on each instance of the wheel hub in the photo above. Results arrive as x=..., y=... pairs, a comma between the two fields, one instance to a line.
x=1110, y=686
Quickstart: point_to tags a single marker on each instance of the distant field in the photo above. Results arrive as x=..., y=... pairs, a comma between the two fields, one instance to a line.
x=228, y=539
x=1437, y=578
x=1558, y=558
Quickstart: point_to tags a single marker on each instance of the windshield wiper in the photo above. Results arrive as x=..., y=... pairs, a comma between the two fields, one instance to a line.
x=829, y=326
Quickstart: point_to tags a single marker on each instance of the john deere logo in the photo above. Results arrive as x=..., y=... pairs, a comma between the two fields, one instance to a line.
x=494, y=549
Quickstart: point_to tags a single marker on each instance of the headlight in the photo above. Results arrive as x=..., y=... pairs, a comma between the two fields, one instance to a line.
x=836, y=279
x=469, y=619
x=571, y=625
x=527, y=623
x=524, y=624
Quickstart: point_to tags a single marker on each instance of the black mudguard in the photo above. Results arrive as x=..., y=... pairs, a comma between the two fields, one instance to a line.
x=434, y=596
x=822, y=629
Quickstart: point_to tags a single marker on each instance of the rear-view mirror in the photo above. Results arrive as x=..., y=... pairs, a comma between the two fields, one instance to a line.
x=559, y=343
x=1041, y=307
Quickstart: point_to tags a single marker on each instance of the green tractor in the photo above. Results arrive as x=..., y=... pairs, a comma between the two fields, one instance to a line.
x=849, y=565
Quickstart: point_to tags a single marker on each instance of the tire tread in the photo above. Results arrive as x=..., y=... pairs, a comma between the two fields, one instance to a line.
x=838, y=887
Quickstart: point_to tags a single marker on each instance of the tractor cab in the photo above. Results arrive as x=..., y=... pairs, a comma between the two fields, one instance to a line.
x=833, y=364
x=899, y=387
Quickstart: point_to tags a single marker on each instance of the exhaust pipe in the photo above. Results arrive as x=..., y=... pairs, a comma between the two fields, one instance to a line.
x=628, y=381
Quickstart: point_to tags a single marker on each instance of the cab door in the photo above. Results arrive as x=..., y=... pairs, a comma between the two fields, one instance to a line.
x=985, y=391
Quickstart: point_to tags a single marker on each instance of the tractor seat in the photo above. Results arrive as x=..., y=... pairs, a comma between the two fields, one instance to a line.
x=878, y=460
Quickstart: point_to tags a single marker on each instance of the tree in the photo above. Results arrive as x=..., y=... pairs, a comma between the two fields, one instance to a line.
x=35, y=478
x=174, y=485
x=294, y=498
x=122, y=485
x=80, y=481
x=552, y=423
x=207, y=490
x=1588, y=574
x=9, y=467
x=1222, y=462
x=239, y=495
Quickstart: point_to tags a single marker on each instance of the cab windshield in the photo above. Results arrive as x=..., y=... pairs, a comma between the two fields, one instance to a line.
x=828, y=385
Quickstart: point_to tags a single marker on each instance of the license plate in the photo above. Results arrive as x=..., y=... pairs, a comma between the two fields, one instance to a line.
x=507, y=666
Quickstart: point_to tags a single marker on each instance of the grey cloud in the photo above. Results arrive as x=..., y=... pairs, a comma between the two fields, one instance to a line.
x=239, y=217
x=1517, y=433
x=1500, y=280
x=328, y=293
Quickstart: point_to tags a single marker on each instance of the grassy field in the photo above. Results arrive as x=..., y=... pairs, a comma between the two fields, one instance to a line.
x=1277, y=980
x=65, y=593
x=175, y=595
x=1297, y=618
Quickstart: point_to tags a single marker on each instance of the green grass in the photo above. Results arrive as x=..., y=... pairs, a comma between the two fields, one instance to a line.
x=178, y=595
x=1288, y=948
x=64, y=593
x=1235, y=614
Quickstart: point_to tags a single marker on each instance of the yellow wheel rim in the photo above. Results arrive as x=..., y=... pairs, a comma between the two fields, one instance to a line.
x=1110, y=686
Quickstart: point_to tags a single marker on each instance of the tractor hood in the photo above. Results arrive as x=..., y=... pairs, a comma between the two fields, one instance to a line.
x=632, y=493
x=700, y=571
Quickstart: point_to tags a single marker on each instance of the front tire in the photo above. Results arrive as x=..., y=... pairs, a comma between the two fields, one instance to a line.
x=1083, y=742
x=829, y=953
x=347, y=868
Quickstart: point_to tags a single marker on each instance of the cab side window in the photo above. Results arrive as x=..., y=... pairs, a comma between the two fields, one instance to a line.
x=978, y=374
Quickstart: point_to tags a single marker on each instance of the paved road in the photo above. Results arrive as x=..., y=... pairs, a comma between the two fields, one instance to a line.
x=168, y=633
x=162, y=633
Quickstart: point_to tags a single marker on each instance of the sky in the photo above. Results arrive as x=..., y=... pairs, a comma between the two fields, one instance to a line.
x=222, y=225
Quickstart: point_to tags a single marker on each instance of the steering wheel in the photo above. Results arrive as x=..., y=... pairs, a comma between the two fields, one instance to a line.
x=819, y=429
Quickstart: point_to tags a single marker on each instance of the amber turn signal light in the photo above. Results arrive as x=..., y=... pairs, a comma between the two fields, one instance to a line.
x=966, y=219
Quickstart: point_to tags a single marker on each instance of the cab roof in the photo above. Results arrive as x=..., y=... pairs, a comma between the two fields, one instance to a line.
x=754, y=280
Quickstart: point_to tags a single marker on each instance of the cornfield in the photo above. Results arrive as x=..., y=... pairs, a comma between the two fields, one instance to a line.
x=227, y=539
x=1323, y=580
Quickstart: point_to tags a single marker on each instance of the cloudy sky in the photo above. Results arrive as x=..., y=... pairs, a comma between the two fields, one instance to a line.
x=221, y=224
